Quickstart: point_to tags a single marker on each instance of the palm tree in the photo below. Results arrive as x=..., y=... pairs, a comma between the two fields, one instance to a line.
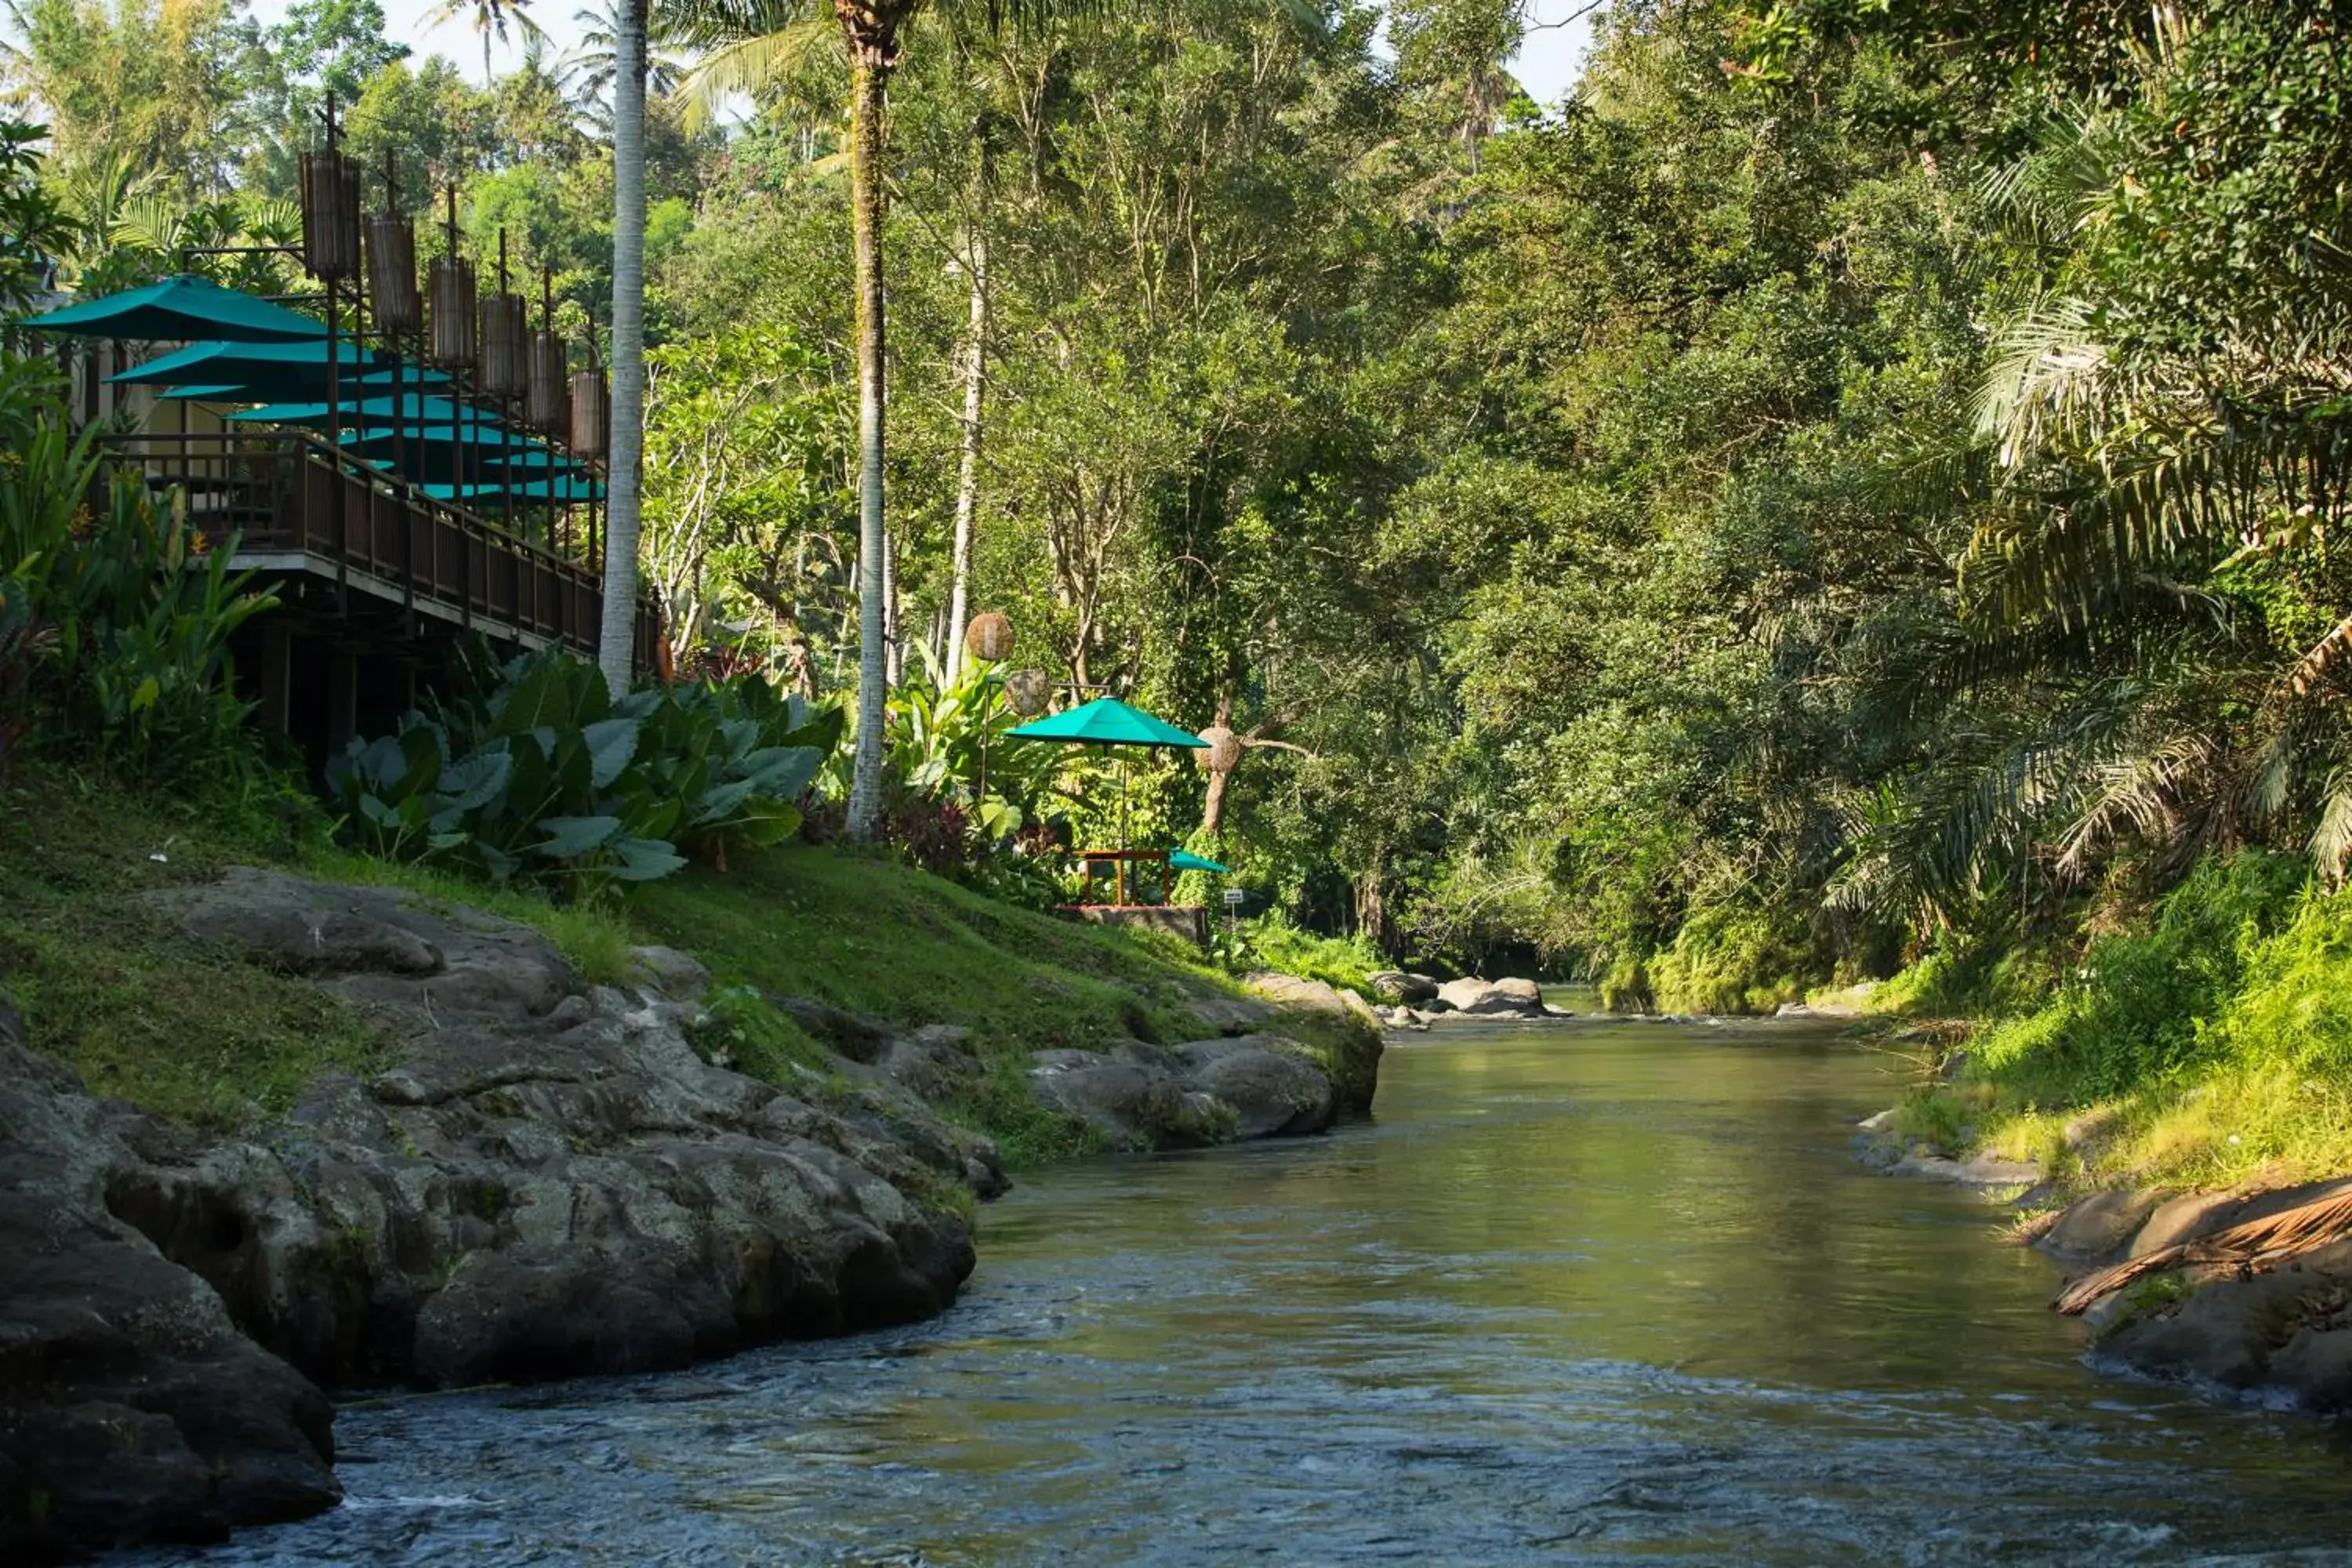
x=589, y=70
x=746, y=45
x=616, y=637
x=488, y=16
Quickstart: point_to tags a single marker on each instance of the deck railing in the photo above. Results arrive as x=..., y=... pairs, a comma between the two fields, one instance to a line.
x=291, y=494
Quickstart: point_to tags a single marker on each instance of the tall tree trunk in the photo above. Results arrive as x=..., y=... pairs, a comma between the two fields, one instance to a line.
x=869, y=76
x=616, y=637
x=975, y=387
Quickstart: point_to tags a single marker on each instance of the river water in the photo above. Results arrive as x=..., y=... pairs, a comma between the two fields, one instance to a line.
x=1579, y=1293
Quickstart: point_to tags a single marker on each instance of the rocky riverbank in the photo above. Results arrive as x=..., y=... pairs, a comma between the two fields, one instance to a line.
x=2214, y=1310
x=550, y=1178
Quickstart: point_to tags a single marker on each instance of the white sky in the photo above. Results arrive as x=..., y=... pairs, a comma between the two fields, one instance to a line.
x=1548, y=65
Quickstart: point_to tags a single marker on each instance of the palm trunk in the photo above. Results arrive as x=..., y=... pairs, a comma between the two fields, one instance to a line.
x=616, y=637
x=869, y=68
x=975, y=386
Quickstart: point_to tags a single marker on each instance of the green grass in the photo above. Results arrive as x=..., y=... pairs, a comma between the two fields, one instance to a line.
x=2211, y=1046
x=869, y=935
x=117, y=991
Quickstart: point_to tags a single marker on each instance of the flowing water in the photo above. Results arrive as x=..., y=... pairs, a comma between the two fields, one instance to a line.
x=1580, y=1293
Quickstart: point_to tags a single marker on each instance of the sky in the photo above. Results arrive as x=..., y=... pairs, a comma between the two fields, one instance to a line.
x=1547, y=63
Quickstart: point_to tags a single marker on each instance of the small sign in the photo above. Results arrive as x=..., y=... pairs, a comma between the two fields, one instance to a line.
x=1235, y=896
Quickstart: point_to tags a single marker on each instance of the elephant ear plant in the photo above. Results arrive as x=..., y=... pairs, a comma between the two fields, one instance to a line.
x=548, y=779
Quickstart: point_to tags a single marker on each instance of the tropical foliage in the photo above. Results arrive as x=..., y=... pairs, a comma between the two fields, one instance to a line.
x=543, y=776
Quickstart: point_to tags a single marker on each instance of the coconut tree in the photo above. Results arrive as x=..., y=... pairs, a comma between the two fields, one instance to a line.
x=488, y=16
x=616, y=637
x=746, y=45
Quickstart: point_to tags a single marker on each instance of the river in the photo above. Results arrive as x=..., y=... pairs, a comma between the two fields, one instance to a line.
x=1579, y=1292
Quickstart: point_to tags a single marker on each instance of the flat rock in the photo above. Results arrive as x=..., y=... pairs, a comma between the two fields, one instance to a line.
x=1394, y=985
x=1492, y=998
x=2098, y=1229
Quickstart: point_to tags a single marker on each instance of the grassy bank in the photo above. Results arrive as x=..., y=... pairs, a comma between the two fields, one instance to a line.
x=2208, y=1044
x=148, y=1014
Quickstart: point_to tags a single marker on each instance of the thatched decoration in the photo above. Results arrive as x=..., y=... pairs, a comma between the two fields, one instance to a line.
x=391, y=274
x=989, y=637
x=1029, y=692
x=453, y=307
x=330, y=217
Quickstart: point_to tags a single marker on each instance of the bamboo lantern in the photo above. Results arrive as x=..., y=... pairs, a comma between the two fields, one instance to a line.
x=330, y=217
x=592, y=414
x=506, y=346
x=391, y=274
x=453, y=307
x=989, y=637
x=1028, y=691
x=547, y=404
x=1224, y=750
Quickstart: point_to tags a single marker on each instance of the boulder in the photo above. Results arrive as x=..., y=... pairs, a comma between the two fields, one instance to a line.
x=1310, y=996
x=132, y=1409
x=2098, y=1229
x=1394, y=985
x=551, y=1180
x=1130, y=1104
x=1492, y=998
x=1275, y=1091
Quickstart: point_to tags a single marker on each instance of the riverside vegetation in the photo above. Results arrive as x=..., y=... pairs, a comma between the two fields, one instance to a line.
x=1846, y=495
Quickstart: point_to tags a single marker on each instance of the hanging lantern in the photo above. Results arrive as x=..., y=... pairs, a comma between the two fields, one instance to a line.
x=548, y=405
x=330, y=217
x=506, y=345
x=454, y=304
x=592, y=414
x=989, y=637
x=1224, y=750
x=1028, y=691
x=391, y=274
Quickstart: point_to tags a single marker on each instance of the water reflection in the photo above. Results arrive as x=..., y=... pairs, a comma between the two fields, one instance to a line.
x=1582, y=1293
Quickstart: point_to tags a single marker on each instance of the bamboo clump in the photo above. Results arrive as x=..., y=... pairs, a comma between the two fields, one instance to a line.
x=2255, y=1248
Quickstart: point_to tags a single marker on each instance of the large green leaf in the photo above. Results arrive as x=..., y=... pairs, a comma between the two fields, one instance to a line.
x=612, y=745
x=569, y=838
x=644, y=859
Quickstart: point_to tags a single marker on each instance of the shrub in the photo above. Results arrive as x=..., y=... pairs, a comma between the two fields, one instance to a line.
x=2137, y=1008
x=1728, y=958
x=1270, y=941
x=544, y=776
x=115, y=617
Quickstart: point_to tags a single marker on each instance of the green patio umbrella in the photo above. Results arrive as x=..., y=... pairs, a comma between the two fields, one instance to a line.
x=179, y=308
x=563, y=489
x=265, y=370
x=1185, y=860
x=433, y=412
x=1107, y=723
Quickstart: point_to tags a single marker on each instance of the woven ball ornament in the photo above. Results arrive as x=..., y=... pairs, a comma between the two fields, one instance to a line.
x=989, y=637
x=1224, y=753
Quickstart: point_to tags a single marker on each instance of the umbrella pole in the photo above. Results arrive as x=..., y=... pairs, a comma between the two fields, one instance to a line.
x=1125, y=775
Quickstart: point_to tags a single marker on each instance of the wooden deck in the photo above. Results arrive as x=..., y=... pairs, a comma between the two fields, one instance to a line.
x=331, y=530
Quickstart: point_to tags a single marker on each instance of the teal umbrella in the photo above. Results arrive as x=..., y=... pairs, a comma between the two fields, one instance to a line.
x=265, y=369
x=563, y=489
x=433, y=412
x=1106, y=722
x=1185, y=860
x=181, y=307
x=204, y=393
